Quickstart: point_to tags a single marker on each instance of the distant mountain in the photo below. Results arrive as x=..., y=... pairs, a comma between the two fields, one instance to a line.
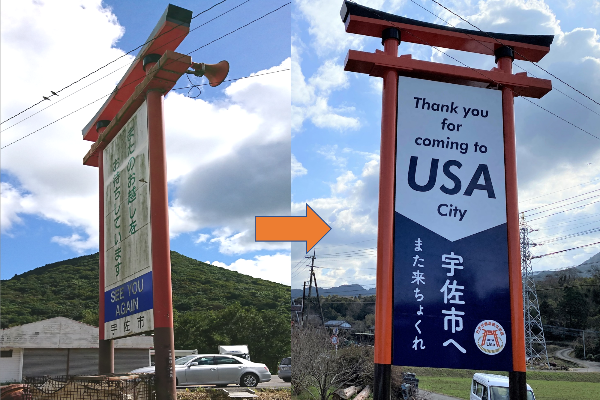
x=343, y=290
x=584, y=270
x=212, y=306
x=70, y=289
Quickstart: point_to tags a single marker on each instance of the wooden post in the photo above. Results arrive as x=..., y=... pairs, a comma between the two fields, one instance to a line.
x=385, y=227
x=161, y=258
x=517, y=377
x=106, y=351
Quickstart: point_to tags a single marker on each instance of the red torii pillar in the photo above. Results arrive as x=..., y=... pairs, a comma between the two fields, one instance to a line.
x=387, y=65
x=162, y=74
x=147, y=79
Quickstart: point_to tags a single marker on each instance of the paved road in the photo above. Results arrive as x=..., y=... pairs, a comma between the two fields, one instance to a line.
x=588, y=366
x=275, y=382
x=425, y=395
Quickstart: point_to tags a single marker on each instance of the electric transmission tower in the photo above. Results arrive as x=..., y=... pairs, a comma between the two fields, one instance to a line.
x=535, y=343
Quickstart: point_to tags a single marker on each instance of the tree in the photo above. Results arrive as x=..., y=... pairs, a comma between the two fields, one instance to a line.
x=319, y=369
x=575, y=307
x=265, y=332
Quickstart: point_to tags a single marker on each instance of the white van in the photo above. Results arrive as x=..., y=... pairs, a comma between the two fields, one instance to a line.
x=493, y=387
x=238, y=351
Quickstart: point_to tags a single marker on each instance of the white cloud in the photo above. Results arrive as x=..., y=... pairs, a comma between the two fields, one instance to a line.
x=232, y=241
x=204, y=139
x=76, y=242
x=330, y=76
x=297, y=168
x=326, y=26
x=275, y=268
x=552, y=155
x=331, y=153
x=310, y=100
x=202, y=238
x=13, y=203
x=56, y=186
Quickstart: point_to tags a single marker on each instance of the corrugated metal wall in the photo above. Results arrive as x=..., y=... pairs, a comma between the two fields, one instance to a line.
x=40, y=362
x=83, y=362
x=129, y=359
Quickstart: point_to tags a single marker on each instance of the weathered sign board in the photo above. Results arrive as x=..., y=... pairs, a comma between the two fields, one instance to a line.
x=128, y=299
x=451, y=281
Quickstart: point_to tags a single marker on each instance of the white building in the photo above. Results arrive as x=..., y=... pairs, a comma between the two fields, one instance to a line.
x=61, y=346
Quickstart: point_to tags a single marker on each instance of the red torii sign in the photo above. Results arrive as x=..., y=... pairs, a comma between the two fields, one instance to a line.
x=129, y=150
x=387, y=65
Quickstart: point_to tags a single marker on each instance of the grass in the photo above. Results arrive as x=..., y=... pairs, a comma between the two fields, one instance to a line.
x=546, y=385
x=544, y=390
x=592, y=377
x=457, y=387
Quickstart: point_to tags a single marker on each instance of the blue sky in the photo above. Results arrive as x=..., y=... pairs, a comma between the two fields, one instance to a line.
x=49, y=199
x=336, y=127
x=233, y=142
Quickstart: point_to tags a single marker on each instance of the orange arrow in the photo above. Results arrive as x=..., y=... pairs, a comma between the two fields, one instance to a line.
x=309, y=229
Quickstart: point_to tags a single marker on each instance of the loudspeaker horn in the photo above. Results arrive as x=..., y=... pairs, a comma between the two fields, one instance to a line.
x=216, y=73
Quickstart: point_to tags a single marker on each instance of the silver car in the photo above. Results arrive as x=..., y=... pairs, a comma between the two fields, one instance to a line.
x=216, y=369
x=285, y=369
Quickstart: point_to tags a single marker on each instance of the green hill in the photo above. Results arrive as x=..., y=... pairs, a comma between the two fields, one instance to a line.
x=212, y=306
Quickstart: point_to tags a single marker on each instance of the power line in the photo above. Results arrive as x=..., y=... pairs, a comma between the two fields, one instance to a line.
x=348, y=244
x=560, y=212
x=561, y=190
x=241, y=27
x=572, y=235
x=525, y=58
x=570, y=267
x=560, y=201
x=144, y=77
x=350, y=251
x=544, y=238
x=566, y=230
x=64, y=98
x=237, y=79
x=570, y=286
x=53, y=122
x=562, y=251
x=561, y=118
x=564, y=205
x=137, y=80
x=569, y=222
x=104, y=66
x=489, y=48
x=488, y=78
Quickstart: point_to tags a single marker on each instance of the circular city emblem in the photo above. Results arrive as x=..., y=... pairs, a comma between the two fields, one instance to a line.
x=490, y=337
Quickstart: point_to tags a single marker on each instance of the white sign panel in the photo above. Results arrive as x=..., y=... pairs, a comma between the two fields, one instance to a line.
x=451, y=287
x=450, y=157
x=127, y=235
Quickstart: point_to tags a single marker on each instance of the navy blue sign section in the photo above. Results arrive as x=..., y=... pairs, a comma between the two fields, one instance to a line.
x=452, y=302
x=132, y=297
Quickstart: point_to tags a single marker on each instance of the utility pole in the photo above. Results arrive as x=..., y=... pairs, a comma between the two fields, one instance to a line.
x=313, y=276
x=535, y=342
x=303, y=301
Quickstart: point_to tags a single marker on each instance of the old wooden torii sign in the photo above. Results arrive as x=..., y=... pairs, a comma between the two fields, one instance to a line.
x=129, y=150
x=449, y=290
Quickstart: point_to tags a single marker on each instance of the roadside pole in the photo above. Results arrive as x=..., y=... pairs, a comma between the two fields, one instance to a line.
x=517, y=377
x=385, y=226
x=106, y=351
x=164, y=346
